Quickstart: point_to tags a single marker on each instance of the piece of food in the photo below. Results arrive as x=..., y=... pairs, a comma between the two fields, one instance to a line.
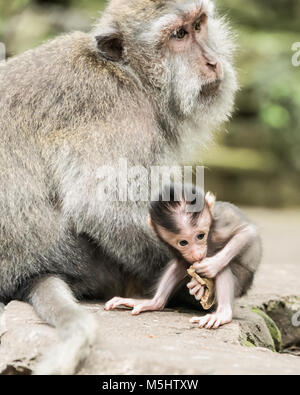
x=209, y=297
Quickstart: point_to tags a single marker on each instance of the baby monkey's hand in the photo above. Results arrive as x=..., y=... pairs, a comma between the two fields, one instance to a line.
x=196, y=289
x=138, y=305
x=208, y=268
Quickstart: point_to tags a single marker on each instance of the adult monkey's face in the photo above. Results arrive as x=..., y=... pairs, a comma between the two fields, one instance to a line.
x=180, y=47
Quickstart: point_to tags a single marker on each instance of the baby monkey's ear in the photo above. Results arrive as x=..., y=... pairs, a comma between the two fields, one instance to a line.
x=210, y=199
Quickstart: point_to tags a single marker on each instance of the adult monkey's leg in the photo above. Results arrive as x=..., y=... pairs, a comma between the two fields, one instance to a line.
x=54, y=301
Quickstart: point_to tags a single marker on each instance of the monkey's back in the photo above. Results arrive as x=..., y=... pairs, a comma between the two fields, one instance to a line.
x=64, y=113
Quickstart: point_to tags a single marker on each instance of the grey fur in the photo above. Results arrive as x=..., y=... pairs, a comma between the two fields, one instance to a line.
x=228, y=221
x=65, y=110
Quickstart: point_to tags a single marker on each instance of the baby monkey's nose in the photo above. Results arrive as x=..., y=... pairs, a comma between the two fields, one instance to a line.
x=197, y=257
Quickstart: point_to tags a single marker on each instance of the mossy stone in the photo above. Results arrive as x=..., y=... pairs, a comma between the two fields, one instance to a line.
x=273, y=328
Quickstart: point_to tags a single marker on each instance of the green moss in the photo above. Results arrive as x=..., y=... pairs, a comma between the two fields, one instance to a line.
x=247, y=339
x=273, y=328
x=246, y=343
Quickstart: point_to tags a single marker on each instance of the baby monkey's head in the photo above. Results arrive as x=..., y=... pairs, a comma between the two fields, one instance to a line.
x=176, y=222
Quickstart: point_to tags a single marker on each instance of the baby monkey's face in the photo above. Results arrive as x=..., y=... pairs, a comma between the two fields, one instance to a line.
x=191, y=241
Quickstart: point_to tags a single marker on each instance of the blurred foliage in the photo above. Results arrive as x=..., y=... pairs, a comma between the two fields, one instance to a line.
x=258, y=161
x=267, y=119
x=27, y=23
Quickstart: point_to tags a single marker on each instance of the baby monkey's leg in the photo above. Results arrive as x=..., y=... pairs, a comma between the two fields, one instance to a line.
x=174, y=274
x=225, y=298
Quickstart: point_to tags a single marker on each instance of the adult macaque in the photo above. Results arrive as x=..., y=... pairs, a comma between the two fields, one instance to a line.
x=152, y=75
x=218, y=240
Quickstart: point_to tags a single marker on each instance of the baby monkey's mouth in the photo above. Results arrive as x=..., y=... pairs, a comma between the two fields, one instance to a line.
x=191, y=262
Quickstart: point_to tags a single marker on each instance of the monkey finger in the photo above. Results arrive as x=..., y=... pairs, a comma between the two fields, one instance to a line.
x=201, y=321
x=205, y=274
x=217, y=324
x=137, y=309
x=204, y=321
x=194, y=290
x=192, y=283
x=109, y=304
x=121, y=302
x=199, y=266
x=202, y=272
x=195, y=320
x=199, y=294
x=124, y=302
x=211, y=322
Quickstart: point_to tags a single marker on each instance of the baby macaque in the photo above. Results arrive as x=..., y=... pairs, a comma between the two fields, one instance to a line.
x=218, y=241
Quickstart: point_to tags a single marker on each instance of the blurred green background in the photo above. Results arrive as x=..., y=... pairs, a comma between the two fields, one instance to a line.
x=257, y=158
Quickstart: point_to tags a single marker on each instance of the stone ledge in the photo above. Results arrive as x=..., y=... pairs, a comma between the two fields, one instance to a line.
x=154, y=343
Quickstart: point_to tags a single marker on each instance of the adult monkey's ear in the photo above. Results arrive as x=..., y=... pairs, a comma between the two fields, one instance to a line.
x=110, y=44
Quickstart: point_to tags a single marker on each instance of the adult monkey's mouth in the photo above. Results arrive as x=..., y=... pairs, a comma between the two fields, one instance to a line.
x=211, y=88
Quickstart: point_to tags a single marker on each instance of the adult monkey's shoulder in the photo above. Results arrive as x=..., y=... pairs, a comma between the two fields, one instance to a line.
x=63, y=84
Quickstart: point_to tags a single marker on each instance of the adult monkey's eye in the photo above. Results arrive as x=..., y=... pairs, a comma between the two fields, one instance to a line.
x=201, y=236
x=179, y=33
x=183, y=243
x=199, y=22
x=198, y=25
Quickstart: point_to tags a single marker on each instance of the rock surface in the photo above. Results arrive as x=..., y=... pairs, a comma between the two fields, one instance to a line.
x=165, y=342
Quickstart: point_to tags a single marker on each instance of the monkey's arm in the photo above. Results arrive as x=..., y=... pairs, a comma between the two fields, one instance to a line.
x=211, y=266
x=174, y=274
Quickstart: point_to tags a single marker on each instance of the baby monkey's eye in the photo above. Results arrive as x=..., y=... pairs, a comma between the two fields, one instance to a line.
x=201, y=236
x=183, y=243
x=179, y=33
